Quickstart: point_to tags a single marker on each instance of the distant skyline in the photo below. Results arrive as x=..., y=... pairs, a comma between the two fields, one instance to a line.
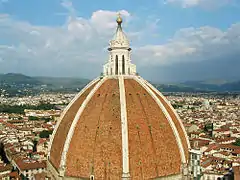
x=172, y=40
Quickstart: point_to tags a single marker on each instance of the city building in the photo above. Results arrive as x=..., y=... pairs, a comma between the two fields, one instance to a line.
x=28, y=168
x=121, y=127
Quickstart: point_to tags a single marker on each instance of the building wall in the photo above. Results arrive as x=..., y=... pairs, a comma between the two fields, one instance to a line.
x=195, y=163
x=52, y=172
x=4, y=176
x=211, y=176
x=173, y=177
x=129, y=67
x=30, y=173
x=193, y=128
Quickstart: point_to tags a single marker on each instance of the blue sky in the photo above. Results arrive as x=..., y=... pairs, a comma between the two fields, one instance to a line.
x=172, y=40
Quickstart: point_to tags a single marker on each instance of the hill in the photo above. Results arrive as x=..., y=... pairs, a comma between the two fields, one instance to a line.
x=176, y=88
x=62, y=82
x=57, y=82
x=13, y=84
x=13, y=78
x=22, y=84
x=234, y=86
x=218, y=86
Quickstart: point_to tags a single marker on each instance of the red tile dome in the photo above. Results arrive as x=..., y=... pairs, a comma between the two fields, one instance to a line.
x=118, y=124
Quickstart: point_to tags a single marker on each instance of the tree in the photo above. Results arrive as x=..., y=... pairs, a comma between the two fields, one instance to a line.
x=35, y=145
x=237, y=142
x=176, y=106
x=19, y=109
x=45, y=134
x=208, y=127
x=33, y=118
x=47, y=119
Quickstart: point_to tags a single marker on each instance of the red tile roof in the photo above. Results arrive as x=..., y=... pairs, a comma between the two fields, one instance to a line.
x=96, y=144
x=236, y=170
x=61, y=134
x=40, y=176
x=27, y=164
x=14, y=175
x=177, y=124
x=5, y=167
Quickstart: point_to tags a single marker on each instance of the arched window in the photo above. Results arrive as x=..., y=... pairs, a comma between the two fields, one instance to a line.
x=123, y=65
x=116, y=65
x=128, y=70
x=92, y=177
x=111, y=71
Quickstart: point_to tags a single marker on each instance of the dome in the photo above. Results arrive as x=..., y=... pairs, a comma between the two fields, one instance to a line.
x=89, y=138
x=119, y=127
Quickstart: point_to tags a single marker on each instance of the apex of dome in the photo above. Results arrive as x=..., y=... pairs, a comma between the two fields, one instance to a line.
x=119, y=62
x=119, y=19
x=120, y=39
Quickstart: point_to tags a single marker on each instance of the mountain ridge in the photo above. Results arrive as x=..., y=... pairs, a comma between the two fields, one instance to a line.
x=74, y=83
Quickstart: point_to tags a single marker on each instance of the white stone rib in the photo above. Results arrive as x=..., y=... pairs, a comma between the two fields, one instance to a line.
x=124, y=124
x=74, y=123
x=66, y=110
x=174, y=111
x=176, y=134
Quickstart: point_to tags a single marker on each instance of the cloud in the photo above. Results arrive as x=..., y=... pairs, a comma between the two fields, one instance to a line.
x=69, y=6
x=201, y=3
x=70, y=50
x=193, y=44
x=106, y=19
x=193, y=53
x=78, y=48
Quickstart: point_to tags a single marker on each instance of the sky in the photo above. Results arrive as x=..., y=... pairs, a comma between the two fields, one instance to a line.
x=171, y=40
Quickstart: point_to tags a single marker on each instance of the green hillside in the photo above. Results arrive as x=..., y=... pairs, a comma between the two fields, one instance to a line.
x=62, y=82
x=13, y=78
x=18, y=82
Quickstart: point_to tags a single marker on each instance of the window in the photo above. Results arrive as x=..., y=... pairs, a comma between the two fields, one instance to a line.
x=116, y=65
x=123, y=65
x=92, y=177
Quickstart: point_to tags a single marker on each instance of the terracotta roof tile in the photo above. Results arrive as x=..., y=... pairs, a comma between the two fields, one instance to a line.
x=5, y=167
x=96, y=143
x=27, y=164
x=177, y=124
x=61, y=134
x=153, y=149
